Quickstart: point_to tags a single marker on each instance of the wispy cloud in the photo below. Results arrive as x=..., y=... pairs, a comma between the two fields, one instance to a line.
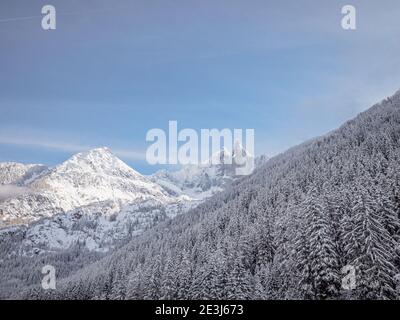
x=19, y=18
x=81, y=12
x=28, y=142
x=38, y=142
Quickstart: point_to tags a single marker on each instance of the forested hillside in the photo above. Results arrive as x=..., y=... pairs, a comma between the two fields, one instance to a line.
x=284, y=232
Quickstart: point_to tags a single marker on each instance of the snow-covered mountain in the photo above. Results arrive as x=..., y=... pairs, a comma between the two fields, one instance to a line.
x=204, y=180
x=86, y=178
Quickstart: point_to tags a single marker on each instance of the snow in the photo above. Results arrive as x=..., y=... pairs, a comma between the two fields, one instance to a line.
x=18, y=173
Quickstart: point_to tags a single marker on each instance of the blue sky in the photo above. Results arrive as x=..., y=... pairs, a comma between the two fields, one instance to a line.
x=112, y=70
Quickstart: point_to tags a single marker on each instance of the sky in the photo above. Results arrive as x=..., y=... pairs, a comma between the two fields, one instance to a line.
x=113, y=70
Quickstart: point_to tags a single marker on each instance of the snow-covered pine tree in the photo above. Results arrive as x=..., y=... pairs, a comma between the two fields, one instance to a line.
x=184, y=276
x=134, y=286
x=153, y=278
x=169, y=283
x=320, y=274
x=119, y=284
x=374, y=260
x=210, y=278
x=239, y=280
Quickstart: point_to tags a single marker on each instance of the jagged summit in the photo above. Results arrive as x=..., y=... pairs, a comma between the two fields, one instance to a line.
x=203, y=180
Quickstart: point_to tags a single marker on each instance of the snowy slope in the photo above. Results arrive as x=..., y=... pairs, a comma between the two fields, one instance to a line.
x=98, y=227
x=18, y=173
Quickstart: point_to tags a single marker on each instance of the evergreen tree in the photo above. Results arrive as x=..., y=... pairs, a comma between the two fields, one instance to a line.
x=375, y=254
x=320, y=276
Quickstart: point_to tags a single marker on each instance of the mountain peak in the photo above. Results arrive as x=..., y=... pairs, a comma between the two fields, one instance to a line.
x=97, y=161
x=100, y=150
x=95, y=153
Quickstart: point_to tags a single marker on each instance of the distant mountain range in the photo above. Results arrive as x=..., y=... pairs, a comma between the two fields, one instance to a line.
x=97, y=200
